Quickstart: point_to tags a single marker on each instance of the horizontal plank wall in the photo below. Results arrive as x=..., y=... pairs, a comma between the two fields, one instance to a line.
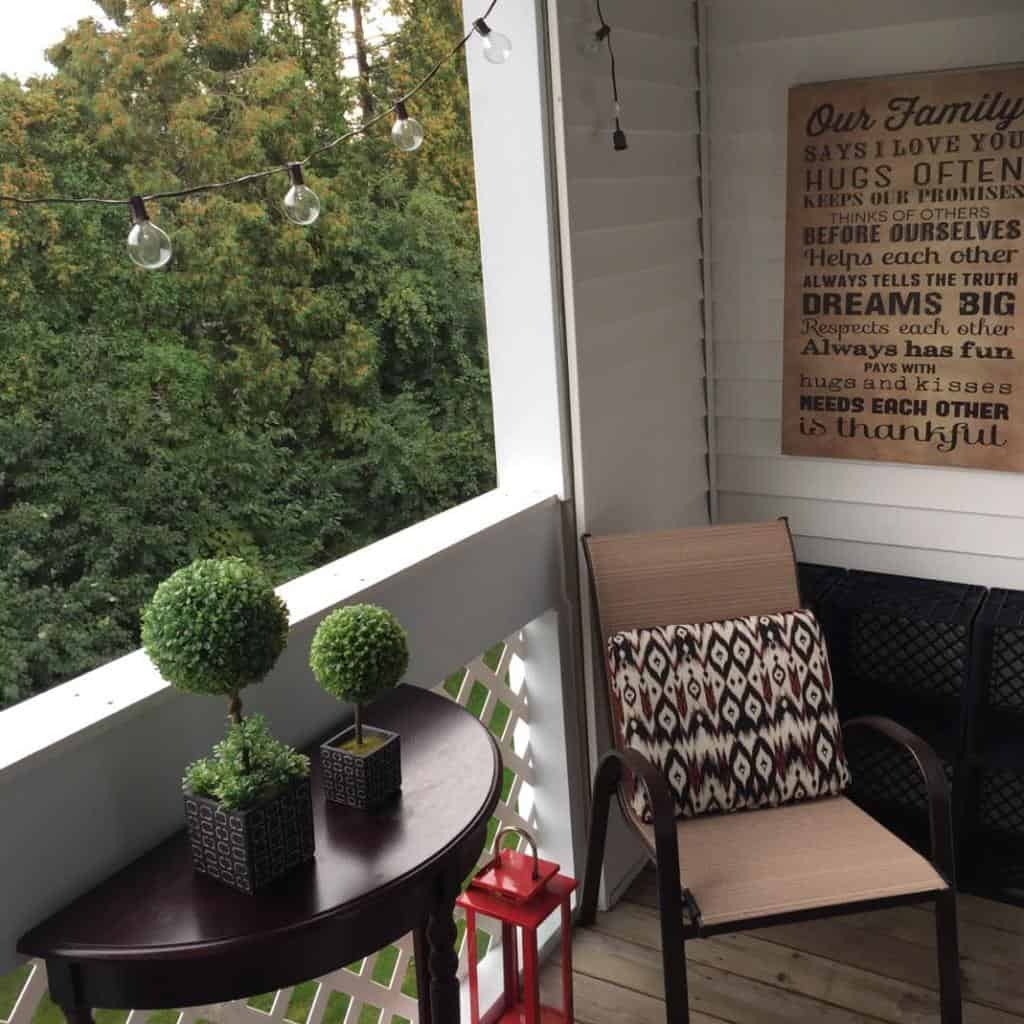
x=632, y=274
x=630, y=234
x=939, y=523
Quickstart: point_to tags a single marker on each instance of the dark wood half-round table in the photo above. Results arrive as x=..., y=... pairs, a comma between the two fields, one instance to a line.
x=158, y=936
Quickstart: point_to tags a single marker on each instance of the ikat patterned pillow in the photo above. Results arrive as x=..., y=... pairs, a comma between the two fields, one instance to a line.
x=737, y=714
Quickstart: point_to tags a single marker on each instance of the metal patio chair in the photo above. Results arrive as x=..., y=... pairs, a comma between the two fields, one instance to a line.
x=752, y=868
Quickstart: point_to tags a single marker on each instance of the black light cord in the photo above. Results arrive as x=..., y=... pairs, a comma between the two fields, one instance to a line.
x=605, y=35
x=244, y=179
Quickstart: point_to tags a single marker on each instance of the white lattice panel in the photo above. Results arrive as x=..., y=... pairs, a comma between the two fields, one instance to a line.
x=380, y=990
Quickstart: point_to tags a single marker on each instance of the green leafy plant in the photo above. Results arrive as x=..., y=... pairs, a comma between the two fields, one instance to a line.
x=272, y=765
x=215, y=627
x=358, y=652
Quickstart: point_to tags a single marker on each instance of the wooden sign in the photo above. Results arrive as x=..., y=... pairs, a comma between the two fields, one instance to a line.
x=904, y=250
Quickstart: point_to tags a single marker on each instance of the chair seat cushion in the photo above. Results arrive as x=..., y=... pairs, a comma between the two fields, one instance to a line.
x=741, y=867
x=737, y=714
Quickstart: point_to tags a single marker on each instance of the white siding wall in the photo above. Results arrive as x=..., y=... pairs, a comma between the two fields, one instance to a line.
x=941, y=523
x=630, y=233
x=632, y=274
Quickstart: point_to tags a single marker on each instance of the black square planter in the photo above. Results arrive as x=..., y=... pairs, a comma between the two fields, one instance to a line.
x=250, y=849
x=362, y=781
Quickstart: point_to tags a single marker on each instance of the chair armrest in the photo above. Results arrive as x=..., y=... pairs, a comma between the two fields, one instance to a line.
x=940, y=821
x=663, y=805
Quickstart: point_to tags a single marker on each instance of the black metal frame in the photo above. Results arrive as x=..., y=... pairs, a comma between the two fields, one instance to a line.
x=679, y=911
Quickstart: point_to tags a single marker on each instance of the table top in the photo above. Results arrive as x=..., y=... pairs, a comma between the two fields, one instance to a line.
x=158, y=910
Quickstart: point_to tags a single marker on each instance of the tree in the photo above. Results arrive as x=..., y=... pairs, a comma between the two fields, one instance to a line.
x=281, y=393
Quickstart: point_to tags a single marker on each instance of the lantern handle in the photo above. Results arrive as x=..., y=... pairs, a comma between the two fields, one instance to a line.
x=516, y=830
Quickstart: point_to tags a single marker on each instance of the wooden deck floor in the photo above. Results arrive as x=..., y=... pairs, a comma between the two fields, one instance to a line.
x=870, y=967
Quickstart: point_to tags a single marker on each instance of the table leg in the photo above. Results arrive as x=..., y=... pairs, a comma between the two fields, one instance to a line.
x=444, y=963
x=474, y=981
x=64, y=982
x=421, y=954
x=78, y=1014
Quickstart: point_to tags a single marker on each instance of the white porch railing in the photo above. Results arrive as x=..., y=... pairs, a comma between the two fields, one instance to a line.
x=464, y=577
x=382, y=988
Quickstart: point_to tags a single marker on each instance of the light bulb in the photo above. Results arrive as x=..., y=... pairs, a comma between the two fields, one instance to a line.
x=407, y=134
x=596, y=40
x=497, y=48
x=301, y=203
x=148, y=246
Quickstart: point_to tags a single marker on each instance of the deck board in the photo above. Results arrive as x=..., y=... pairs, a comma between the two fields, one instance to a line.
x=877, y=967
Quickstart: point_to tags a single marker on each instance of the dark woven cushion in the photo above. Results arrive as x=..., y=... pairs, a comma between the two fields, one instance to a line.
x=737, y=714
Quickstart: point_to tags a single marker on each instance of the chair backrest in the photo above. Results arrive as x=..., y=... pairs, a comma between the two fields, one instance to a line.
x=699, y=574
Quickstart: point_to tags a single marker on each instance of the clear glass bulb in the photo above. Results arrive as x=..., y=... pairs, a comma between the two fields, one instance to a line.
x=148, y=246
x=497, y=48
x=595, y=41
x=301, y=205
x=407, y=134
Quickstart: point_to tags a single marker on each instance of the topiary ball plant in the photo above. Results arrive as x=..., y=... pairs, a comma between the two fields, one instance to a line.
x=215, y=627
x=358, y=652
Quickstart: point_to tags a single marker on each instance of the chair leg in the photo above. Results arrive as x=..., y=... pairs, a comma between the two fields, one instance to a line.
x=607, y=778
x=673, y=946
x=949, y=958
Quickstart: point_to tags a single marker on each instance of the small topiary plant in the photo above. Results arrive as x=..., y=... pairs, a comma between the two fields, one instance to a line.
x=271, y=766
x=358, y=652
x=215, y=627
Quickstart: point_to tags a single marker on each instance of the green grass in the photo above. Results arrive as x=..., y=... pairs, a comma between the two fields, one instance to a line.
x=49, y=1013
x=263, y=1003
x=163, y=1017
x=337, y=1007
x=11, y=985
x=301, y=1002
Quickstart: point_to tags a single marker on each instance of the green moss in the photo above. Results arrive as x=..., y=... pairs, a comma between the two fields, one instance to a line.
x=368, y=746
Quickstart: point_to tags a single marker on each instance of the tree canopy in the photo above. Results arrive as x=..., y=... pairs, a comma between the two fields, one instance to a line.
x=280, y=393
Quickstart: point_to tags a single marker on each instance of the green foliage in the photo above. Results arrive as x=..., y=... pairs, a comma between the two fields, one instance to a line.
x=281, y=394
x=215, y=627
x=225, y=777
x=358, y=652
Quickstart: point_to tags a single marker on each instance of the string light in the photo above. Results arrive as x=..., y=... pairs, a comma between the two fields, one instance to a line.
x=597, y=38
x=604, y=35
x=407, y=133
x=497, y=48
x=301, y=203
x=149, y=246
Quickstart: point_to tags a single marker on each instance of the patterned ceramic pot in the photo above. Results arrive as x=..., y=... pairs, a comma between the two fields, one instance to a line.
x=362, y=780
x=250, y=849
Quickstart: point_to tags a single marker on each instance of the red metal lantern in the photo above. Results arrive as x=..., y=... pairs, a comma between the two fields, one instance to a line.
x=520, y=891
